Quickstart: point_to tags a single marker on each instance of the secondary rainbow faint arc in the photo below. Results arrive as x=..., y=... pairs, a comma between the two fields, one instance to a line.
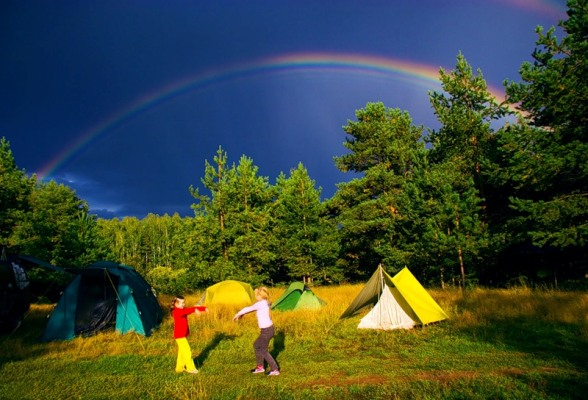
x=362, y=64
x=551, y=8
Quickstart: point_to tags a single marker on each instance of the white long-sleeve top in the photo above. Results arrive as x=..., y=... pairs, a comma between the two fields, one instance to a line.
x=262, y=309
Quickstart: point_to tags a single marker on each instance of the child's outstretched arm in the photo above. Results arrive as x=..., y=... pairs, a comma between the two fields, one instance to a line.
x=244, y=311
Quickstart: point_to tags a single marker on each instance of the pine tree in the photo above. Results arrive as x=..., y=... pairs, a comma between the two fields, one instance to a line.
x=382, y=144
x=546, y=155
x=307, y=244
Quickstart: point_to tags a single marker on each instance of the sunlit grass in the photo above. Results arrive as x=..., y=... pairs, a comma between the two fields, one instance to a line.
x=516, y=343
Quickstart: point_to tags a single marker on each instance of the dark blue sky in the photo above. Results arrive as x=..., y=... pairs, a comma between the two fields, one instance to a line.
x=125, y=100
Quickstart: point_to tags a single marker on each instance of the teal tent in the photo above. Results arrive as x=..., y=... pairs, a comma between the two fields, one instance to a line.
x=297, y=297
x=103, y=296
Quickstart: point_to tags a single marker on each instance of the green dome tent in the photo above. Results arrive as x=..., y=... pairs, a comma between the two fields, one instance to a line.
x=104, y=295
x=400, y=302
x=228, y=292
x=297, y=297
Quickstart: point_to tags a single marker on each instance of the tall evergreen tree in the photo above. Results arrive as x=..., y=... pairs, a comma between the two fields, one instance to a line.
x=15, y=189
x=546, y=154
x=382, y=144
x=249, y=222
x=307, y=244
x=466, y=110
x=237, y=217
x=460, y=149
x=58, y=228
x=214, y=208
x=441, y=212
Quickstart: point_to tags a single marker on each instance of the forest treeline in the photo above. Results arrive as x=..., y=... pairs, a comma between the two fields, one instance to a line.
x=498, y=193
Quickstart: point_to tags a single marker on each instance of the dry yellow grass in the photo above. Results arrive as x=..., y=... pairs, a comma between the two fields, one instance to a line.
x=477, y=307
x=543, y=305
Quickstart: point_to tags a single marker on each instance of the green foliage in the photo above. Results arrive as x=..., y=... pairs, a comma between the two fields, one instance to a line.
x=466, y=109
x=461, y=201
x=379, y=137
x=168, y=280
x=58, y=228
x=15, y=188
x=441, y=214
x=307, y=246
x=237, y=218
x=546, y=159
x=383, y=144
x=45, y=220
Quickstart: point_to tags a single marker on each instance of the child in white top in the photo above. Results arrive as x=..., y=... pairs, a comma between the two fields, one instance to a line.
x=266, y=326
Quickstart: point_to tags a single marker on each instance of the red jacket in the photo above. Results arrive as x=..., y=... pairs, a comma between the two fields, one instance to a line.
x=181, y=328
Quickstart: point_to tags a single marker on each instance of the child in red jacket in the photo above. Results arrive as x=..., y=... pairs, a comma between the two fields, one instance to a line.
x=181, y=331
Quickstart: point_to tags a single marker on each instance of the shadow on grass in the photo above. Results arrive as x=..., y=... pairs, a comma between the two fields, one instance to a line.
x=23, y=342
x=219, y=337
x=545, y=339
x=279, y=344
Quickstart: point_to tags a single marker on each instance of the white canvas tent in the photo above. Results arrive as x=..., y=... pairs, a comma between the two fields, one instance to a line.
x=399, y=303
x=386, y=314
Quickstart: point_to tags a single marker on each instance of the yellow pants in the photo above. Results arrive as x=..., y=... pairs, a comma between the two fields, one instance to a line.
x=185, y=361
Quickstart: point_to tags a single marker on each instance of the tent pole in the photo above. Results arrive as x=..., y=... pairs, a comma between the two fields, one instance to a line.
x=381, y=290
x=124, y=306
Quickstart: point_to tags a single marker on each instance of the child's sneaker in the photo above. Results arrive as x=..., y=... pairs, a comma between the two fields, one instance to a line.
x=275, y=372
x=258, y=370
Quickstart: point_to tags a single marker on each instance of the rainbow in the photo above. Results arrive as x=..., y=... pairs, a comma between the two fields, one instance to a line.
x=416, y=73
x=549, y=8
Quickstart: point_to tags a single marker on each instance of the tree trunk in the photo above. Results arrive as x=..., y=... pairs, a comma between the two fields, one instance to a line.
x=442, y=278
x=462, y=269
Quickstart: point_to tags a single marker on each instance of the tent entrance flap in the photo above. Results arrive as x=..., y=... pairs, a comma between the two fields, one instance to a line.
x=96, y=310
x=387, y=314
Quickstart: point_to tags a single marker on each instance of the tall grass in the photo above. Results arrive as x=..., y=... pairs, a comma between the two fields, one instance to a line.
x=499, y=344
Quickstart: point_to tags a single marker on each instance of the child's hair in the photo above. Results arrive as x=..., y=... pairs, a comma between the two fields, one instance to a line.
x=262, y=292
x=174, y=301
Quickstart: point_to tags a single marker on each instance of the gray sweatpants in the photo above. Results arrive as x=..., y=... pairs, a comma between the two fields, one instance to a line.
x=261, y=347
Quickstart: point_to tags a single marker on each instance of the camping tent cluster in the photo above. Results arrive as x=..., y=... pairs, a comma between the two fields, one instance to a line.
x=297, y=297
x=109, y=295
x=400, y=302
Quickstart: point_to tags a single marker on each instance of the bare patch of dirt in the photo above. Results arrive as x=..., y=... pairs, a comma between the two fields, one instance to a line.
x=341, y=379
x=512, y=371
x=518, y=372
x=444, y=376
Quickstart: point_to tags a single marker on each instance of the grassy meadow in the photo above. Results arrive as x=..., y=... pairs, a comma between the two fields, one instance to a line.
x=497, y=344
